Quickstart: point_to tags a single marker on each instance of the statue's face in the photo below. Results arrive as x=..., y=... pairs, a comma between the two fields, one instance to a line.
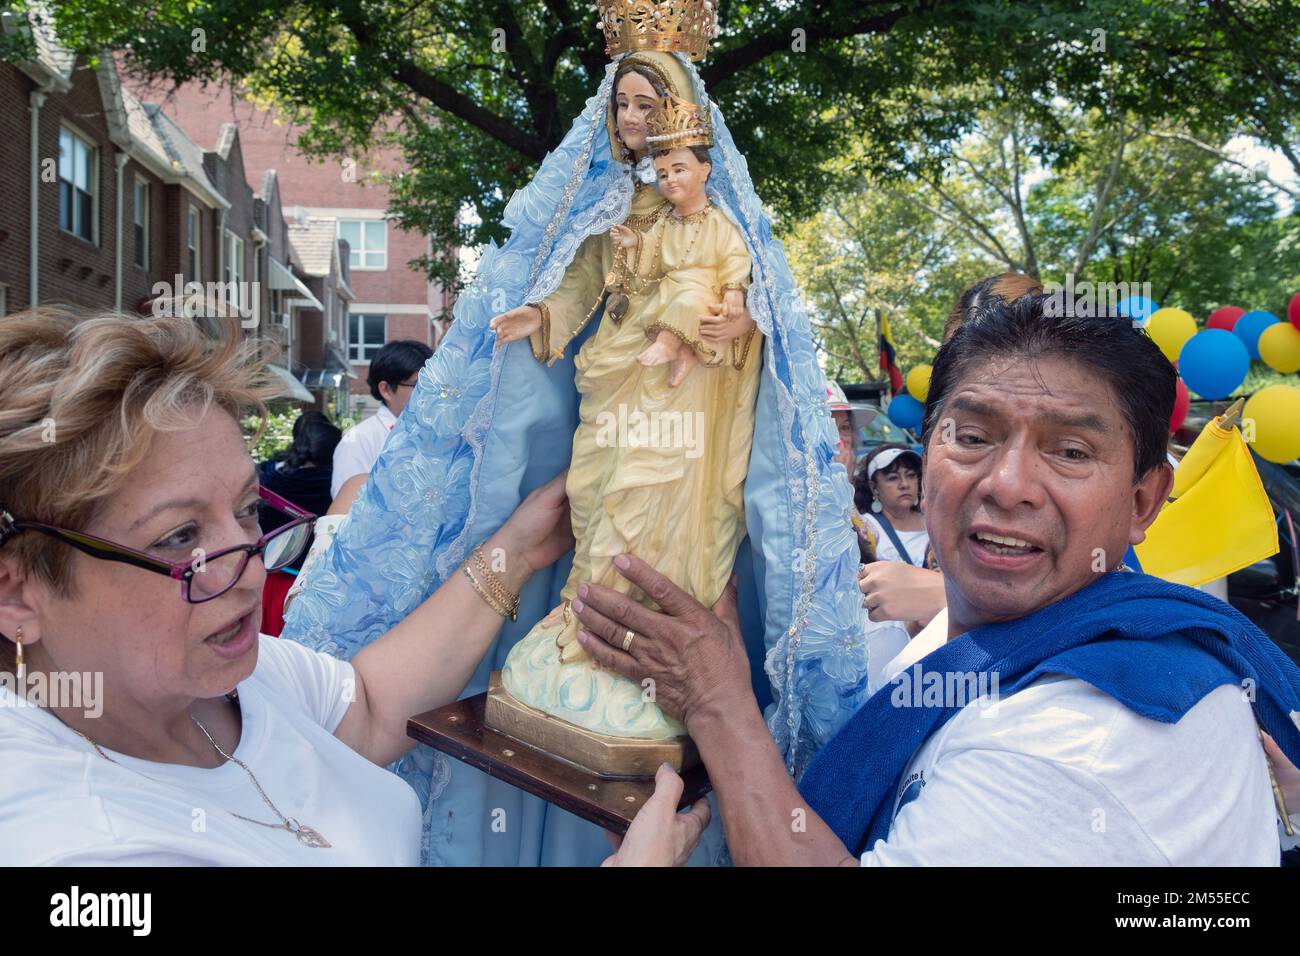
x=634, y=98
x=682, y=177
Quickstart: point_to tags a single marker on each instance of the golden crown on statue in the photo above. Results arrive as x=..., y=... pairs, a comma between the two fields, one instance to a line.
x=683, y=26
x=677, y=122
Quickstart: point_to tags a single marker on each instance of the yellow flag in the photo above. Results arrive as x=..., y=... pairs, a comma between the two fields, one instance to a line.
x=1220, y=520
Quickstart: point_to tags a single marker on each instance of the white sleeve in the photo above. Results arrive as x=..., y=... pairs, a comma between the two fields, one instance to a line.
x=350, y=460
x=323, y=687
x=1000, y=808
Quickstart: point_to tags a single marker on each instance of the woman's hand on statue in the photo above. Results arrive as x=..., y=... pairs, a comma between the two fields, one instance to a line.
x=623, y=236
x=535, y=536
x=716, y=327
x=660, y=836
x=898, y=591
x=693, y=657
x=518, y=323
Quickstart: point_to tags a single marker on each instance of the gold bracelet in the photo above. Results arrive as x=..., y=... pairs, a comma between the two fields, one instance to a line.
x=499, y=590
x=540, y=355
x=488, y=598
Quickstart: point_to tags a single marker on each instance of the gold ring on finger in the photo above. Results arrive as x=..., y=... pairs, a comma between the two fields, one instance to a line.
x=627, y=639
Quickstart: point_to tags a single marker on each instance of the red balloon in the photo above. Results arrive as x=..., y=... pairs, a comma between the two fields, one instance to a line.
x=1224, y=317
x=1293, y=310
x=1182, y=402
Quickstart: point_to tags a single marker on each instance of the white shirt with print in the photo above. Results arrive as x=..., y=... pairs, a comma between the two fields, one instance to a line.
x=1063, y=774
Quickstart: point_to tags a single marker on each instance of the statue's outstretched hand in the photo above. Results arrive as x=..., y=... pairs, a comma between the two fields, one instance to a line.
x=518, y=323
x=623, y=236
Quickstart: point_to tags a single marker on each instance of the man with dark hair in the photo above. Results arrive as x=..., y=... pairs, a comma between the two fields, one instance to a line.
x=1065, y=710
x=392, y=376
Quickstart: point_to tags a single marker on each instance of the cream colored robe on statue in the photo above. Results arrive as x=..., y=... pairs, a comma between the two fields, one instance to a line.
x=656, y=471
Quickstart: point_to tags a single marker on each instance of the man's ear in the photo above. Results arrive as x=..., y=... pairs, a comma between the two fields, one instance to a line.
x=386, y=393
x=15, y=608
x=1149, y=496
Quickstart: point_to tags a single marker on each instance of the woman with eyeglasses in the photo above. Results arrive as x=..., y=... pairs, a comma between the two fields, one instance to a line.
x=143, y=719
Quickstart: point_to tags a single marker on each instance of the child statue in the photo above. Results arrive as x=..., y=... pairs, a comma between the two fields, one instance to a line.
x=666, y=420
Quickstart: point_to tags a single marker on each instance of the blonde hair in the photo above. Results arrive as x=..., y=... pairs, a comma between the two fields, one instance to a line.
x=82, y=400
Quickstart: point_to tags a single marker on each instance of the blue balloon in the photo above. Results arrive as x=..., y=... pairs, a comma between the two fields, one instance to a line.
x=1251, y=326
x=1213, y=363
x=906, y=412
x=1138, y=307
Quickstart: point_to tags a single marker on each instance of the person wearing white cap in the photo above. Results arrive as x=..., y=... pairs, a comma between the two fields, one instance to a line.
x=887, y=491
x=888, y=495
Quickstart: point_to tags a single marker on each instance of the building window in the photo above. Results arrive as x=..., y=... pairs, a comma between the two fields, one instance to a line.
x=78, y=172
x=142, y=224
x=194, y=229
x=234, y=277
x=367, y=242
x=365, y=336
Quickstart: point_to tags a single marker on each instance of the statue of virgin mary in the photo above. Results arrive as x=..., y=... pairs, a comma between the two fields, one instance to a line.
x=486, y=426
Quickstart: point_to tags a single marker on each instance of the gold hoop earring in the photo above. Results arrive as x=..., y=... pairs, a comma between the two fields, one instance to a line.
x=18, y=656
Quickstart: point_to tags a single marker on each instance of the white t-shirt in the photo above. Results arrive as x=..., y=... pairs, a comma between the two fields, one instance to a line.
x=915, y=542
x=358, y=450
x=1063, y=774
x=63, y=803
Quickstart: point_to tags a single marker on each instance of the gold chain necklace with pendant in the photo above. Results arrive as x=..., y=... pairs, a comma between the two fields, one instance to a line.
x=306, y=835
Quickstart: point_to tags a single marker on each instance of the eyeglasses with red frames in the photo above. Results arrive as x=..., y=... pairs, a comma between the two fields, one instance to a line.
x=210, y=574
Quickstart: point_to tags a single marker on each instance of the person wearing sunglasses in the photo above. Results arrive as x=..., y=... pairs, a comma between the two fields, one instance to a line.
x=131, y=558
x=393, y=375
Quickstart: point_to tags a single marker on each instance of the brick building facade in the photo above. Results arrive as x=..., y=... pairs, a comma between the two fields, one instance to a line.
x=127, y=207
x=391, y=299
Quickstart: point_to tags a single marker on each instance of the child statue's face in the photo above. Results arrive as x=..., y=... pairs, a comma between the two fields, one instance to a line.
x=682, y=177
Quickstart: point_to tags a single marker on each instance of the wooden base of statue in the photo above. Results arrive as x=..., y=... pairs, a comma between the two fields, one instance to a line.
x=604, y=756
x=553, y=760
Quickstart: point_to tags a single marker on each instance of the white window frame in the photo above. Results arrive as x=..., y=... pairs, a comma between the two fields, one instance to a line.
x=194, y=241
x=140, y=220
x=362, y=257
x=359, y=353
x=92, y=180
x=234, y=277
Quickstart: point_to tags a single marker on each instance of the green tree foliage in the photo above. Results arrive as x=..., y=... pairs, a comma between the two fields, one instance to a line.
x=474, y=92
x=1129, y=207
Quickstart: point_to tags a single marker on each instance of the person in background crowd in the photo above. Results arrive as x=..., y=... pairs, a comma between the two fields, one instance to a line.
x=302, y=472
x=842, y=413
x=887, y=493
x=299, y=474
x=1007, y=287
x=903, y=592
x=392, y=375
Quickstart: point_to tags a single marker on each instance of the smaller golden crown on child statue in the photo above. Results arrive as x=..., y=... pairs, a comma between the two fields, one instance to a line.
x=677, y=122
x=683, y=26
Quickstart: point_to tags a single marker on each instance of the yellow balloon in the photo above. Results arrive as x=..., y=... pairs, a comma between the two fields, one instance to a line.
x=918, y=382
x=1273, y=414
x=1279, y=347
x=1170, y=329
